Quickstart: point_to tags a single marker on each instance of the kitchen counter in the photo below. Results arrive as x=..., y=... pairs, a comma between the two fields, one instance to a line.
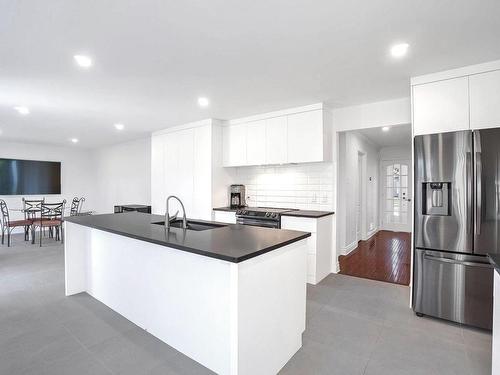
x=231, y=242
x=495, y=261
x=308, y=213
x=313, y=214
x=225, y=297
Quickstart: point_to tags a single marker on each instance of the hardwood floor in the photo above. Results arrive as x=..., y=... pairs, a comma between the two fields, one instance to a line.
x=384, y=257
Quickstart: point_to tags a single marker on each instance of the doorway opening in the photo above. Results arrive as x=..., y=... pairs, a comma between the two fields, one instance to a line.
x=374, y=203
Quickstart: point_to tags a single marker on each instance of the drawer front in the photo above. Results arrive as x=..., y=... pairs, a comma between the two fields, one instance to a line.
x=225, y=217
x=454, y=287
x=299, y=223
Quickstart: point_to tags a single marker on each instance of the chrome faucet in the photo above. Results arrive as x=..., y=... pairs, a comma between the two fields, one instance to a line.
x=169, y=219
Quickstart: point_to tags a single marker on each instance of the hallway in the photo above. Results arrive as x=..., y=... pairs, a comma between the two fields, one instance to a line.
x=384, y=257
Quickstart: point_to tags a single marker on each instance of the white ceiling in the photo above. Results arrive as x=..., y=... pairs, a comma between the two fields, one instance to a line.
x=399, y=135
x=153, y=59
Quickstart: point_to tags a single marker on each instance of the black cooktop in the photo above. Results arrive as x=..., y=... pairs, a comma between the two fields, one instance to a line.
x=269, y=209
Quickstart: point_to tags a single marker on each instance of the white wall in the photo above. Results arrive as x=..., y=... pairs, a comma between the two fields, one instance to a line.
x=396, y=152
x=305, y=186
x=351, y=144
x=77, y=176
x=123, y=174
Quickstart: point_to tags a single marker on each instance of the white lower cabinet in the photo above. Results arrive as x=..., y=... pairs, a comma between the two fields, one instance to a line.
x=319, y=245
x=224, y=216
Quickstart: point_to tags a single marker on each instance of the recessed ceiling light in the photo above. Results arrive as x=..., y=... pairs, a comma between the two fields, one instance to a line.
x=74, y=140
x=203, y=102
x=385, y=129
x=119, y=126
x=399, y=50
x=22, y=110
x=83, y=61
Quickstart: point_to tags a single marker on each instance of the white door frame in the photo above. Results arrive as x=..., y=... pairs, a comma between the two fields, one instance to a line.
x=408, y=197
x=361, y=188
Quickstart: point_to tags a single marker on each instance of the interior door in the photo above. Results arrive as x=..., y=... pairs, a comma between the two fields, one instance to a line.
x=396, y=195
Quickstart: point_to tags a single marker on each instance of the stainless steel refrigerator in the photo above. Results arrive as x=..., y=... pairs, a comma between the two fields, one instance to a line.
x=457, y=222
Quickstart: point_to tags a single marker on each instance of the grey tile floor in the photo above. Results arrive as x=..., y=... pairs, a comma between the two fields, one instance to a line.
x=354, y=326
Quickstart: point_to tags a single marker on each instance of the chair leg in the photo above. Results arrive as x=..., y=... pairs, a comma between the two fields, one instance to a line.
x=41, y=235
x=3, y=235
x=33, y=235
x=8, y=237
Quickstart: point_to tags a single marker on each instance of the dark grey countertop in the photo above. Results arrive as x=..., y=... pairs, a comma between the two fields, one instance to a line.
x=495, y=261
x=232, y=242
x=308, y=213
x=225, y=209
x=297, y=213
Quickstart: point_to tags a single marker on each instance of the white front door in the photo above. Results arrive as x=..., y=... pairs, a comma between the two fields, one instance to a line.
x=396, y=195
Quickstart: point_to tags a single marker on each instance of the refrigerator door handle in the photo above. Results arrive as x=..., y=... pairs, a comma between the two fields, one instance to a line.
x=453, y=261
x=469, y=194
x=478, y=177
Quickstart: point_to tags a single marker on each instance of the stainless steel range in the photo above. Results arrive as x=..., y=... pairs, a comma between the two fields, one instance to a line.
x=261, y=216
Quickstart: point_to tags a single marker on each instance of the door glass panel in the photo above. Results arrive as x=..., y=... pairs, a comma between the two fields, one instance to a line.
x=390, y=181
x=396, y=206
x=397, y=169
x=404, y=170
x=404, y=181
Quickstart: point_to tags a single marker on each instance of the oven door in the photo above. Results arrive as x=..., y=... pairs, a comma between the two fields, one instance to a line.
x=258, y=222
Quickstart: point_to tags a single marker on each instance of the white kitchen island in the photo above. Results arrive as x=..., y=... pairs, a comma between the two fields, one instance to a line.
x=232, y=298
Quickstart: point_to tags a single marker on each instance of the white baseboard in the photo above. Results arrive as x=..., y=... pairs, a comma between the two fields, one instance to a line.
x=347, y=249
x=370, y=234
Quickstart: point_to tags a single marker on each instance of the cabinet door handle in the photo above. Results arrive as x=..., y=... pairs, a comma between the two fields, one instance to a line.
x=454, y=261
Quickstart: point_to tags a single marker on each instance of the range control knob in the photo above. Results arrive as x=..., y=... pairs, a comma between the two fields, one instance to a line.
x=244, y=212
x=238, y=212
x=268, y=214
x=274, y=216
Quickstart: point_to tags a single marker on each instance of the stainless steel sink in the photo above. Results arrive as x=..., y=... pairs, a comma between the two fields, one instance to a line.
x=193, y=225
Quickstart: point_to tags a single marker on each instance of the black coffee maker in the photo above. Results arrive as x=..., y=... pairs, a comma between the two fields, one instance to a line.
x=237, y=196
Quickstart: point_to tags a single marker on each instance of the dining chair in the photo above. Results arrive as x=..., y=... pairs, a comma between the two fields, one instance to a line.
x=9, y=225
x=52, y=218
x=76, y=206
x=32, y=209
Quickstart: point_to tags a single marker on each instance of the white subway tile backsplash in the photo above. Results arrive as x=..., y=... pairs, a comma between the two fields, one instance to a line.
x=304, y=186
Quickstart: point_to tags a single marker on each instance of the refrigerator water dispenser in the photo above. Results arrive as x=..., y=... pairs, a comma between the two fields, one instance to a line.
x=436, y=199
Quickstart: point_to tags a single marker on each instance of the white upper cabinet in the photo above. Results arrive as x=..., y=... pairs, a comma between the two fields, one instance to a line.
x=186, y=161
x=158, y=170
x=276, y=140
x=305, y=137
x=485, y=100
x=234, y=139
x=302, y=136
x=256, y=142
x=441, y=106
